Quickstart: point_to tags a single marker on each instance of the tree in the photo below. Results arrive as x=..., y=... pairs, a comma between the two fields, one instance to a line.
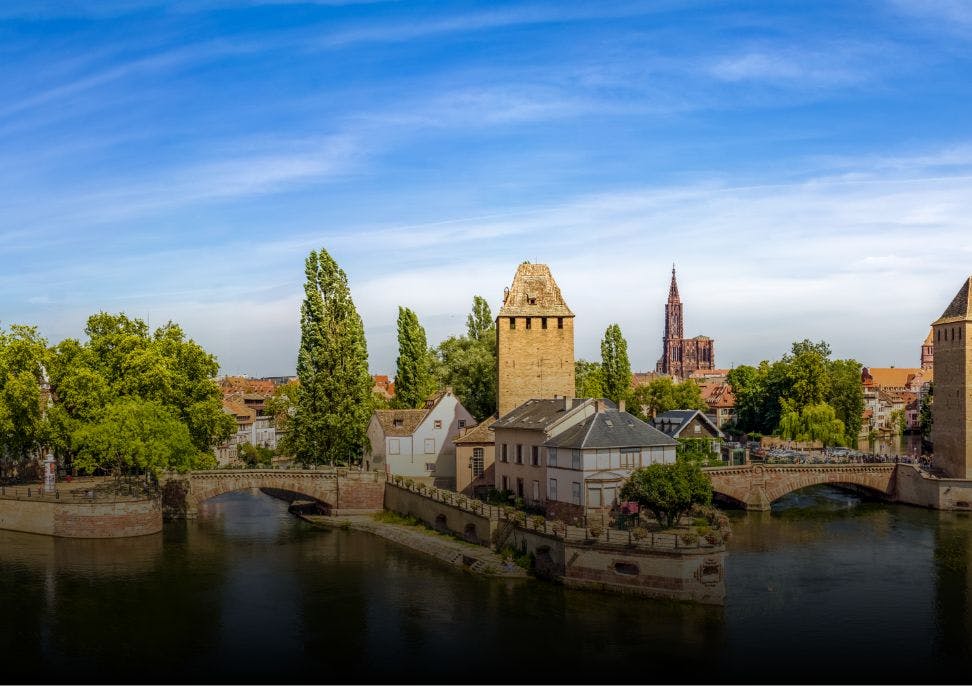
x=334, y=403
x=414, y=380
x=698, y=451
x=925, y=411
x=812, y=423
x=282, y=405
x=468, y=363
x=668, y=491
x=122, y=360
x=615, y=367
x=254, y=455
x=133, y=434
x=588, y=379
x=23, y=425
x=846, y=395
x=663, y=394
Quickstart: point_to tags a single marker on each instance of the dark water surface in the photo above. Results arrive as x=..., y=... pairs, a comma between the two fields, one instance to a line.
x=825, y=588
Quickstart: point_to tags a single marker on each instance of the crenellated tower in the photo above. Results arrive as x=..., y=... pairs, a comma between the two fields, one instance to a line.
x=534, y=340
x=952, y=407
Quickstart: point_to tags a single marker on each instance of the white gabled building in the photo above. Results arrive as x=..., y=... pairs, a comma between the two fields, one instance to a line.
x=418, y=443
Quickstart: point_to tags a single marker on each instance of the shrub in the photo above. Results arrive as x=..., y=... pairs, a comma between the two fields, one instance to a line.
x=690, y=538
x=639, y=533
x=538, y=522
x=596, y=530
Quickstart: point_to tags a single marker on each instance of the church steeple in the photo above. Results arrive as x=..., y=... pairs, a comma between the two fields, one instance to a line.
x=673, y=289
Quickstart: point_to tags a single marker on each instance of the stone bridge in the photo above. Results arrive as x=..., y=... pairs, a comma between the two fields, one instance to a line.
x=756, y=486
x=340, y=491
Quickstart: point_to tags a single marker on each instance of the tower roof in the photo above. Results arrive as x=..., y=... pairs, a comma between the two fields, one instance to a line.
x=673, y=289
x=961, y=307
x=534, y=293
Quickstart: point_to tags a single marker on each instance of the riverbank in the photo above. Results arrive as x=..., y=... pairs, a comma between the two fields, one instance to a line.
x=466, y=556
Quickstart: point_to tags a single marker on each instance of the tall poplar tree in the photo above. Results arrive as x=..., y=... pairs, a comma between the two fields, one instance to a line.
x=334, y=402
x=414, y=380
x=615, y=367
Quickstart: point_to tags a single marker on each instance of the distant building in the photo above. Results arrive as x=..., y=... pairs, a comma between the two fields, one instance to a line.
x=721, y=401
x=383, y=387
x=534, y=340
x=928, y=351
x=252, y=428
x=683, y=424
x=681, y=356
x=475, y=456
x=419, y=443
x=952, y=409
x=890, y=392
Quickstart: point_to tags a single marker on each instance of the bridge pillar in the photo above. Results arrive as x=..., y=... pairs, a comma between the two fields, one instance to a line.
x=757, y=499
x=177, y=500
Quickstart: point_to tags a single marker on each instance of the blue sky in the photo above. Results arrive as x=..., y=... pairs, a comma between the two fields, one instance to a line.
x=808, y=167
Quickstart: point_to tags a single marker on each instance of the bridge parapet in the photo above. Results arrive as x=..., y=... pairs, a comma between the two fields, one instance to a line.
x=756, y=486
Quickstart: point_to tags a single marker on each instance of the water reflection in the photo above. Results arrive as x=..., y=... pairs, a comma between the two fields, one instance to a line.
x=825, y=587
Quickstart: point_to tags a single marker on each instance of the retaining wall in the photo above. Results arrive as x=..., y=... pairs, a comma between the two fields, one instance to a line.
x=911, y=487
x=98, y=519
x=471, y=526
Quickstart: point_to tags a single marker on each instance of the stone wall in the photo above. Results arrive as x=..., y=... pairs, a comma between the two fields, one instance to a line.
x=98, y=519
x=534, y=362
x=469, y=525
x=913, y=488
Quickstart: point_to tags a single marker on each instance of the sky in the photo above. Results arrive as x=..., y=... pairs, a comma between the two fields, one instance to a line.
x=806, y=166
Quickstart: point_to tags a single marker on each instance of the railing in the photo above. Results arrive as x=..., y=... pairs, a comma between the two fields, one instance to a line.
x=588, y=535
x=74, y=495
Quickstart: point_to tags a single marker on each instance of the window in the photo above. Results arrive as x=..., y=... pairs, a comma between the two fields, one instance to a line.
x=552, y=489
x=430, y=467
x=610, y=494
x=519, y=488
x=512, y=322
x=505, y=483
x=560, y=322
x=551, y=457
x=697, y=429
x=504, y=456
x=575, y=492
x=576, y=459
x=543, y=322
x=529, y=320
x=536, y=491
x=477, y=463
x=629, y=457
x=519, y=453
x=531, y=301
x=437, y=424
x=397, y=422
x=393, y=446
x=429, y=446
x=594, y=496
x=462, y=423
x=535, y=455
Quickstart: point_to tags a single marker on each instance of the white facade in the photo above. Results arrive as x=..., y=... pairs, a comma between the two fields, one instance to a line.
x=428, y=451
x=592, y=477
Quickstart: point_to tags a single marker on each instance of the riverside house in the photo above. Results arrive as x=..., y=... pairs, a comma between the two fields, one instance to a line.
x=418, y=443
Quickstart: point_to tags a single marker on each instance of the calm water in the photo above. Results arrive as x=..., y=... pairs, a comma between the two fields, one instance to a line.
x=824, y=588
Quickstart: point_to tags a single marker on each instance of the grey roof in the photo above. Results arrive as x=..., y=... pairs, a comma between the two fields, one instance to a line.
x=960, y=309
x=673, y=421
x=538, y=413
x=611, y=429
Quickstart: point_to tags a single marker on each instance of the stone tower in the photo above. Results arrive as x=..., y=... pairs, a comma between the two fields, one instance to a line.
x=681, y=356
x=674, y=331
x=952, y=407
x=928, y=351
x=534, y=340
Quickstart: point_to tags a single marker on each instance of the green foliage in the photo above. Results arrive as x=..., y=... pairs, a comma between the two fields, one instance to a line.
x=133, y=434
x=254, y=455
x=468, y=363
x=615, y=367
x=925, y=411
x=23, y=426
x=663, y=394
x=588, y=379
x=414, y=380
x=812, y=423
x=99, y=383
x=282, y=405
x=668, y=491
x=333, y=408
x=804, y=377
x=697, y=451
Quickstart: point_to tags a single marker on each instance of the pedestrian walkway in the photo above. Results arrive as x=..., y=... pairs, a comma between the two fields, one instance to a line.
x=469, y=556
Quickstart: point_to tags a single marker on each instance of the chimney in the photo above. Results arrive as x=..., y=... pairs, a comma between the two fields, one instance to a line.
x=568, y=401
x=621, y=405
x=599, y=406
x=448, y=390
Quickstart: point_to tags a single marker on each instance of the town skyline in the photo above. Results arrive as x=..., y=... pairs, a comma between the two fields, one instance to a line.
x=806, y=168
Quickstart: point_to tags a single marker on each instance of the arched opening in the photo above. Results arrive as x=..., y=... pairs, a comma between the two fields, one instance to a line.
x=441, y=523
x=724, y=500
x=833, y=497
x=470, y=533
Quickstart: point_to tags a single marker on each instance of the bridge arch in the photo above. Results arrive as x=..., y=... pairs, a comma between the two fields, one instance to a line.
x=346, y=492
x=757, y=486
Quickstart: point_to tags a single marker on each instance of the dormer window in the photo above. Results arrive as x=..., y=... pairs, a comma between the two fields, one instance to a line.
x=397, y=422
x=531, y=300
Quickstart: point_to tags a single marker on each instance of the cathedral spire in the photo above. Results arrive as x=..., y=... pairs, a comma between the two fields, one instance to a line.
x=673, y=289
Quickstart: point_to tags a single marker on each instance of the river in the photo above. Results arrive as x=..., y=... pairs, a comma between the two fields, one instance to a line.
x=825, y=588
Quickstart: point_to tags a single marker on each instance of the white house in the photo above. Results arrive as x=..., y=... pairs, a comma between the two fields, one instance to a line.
x=418, y=443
